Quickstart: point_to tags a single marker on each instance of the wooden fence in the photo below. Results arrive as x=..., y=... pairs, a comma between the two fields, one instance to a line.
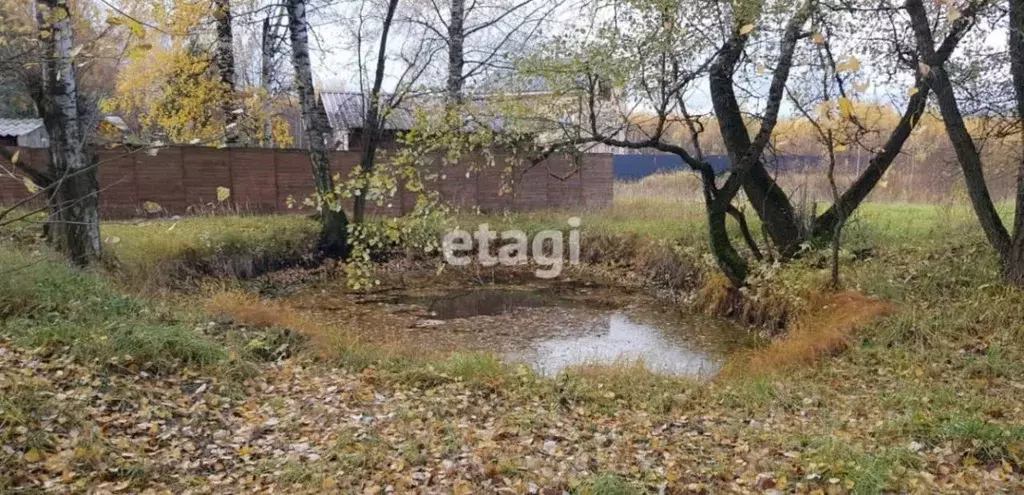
x=184, y=180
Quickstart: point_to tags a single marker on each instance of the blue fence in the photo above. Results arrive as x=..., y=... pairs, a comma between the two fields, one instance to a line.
x=636, y=167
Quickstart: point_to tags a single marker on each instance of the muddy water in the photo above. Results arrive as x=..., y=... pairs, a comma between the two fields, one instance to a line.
x=552, y=329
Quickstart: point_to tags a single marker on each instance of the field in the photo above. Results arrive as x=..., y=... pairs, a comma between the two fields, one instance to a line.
x=186, y=364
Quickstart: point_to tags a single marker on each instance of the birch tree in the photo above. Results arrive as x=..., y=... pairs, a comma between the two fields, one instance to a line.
x=373, y=120
x=74, y=207
x=334, y=230
x=480, y=37
x=224, y=57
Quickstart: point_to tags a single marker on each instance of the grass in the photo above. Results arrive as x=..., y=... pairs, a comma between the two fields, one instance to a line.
x=155, y=252
x=607, y=484
x=858, y=383
x=48, y=303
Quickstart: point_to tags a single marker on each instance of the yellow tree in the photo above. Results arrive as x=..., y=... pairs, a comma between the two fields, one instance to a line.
x=172, y=86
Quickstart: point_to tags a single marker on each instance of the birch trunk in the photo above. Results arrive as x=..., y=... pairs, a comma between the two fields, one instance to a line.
x=266, y=75
x=225, y=59
x=456, y=51
x=74, y=221
x=334, y=232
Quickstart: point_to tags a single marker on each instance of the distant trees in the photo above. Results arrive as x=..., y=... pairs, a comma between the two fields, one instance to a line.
x=179, y=82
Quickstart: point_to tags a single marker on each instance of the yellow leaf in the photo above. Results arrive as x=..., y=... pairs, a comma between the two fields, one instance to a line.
x=851, y=64
x=760, y=71
x=115, y=21
x=746, y=29
x=33, y=456
x=31, y=186
x=223, y=194
x=14, y=159
x=152, y=207
x=861, y=87
x=818, y=38
x=845, y=107
x=329, y=483
x=913, y=91
x=953, y=15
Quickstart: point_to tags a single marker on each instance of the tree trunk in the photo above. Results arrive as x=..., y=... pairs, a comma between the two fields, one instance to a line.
x=456, y=51
x=74, y=221
x=266, y=75
x=768, y=199
x=851, y=199
x=729, y=260
x=373, y=122
x=966, y=151
x=1013, y=263
x=334, y=232
x=225, y=58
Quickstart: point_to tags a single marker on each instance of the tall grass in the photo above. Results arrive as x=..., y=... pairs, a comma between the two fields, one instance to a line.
x=155, y=252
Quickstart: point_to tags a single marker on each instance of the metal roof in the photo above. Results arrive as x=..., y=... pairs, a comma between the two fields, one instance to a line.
x=347, y=110
x=19, y=127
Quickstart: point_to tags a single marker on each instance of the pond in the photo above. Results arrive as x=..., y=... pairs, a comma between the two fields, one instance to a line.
x=552, y=328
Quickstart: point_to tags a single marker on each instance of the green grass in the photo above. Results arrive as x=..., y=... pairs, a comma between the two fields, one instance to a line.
x=607, y=484
x=45, y=302
x=855, y=469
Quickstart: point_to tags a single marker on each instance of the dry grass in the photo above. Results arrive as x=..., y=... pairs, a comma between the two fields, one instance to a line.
x=330, y=342
x=765, y=309
x=156, y=253
x=248, y=309
x=805, y=188
x=825, y=329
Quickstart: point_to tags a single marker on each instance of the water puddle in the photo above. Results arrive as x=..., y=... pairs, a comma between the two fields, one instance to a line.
x=618, y=339
x=551, y=329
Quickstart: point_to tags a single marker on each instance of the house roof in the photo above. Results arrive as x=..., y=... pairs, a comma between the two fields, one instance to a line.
x=347, y=110
x=19, y=127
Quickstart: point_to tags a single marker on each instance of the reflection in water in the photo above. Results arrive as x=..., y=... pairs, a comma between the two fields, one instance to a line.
x=619, y=338
x=551, y=329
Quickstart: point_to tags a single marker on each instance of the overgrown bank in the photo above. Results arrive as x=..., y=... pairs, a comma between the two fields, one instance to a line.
x=924, y=400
